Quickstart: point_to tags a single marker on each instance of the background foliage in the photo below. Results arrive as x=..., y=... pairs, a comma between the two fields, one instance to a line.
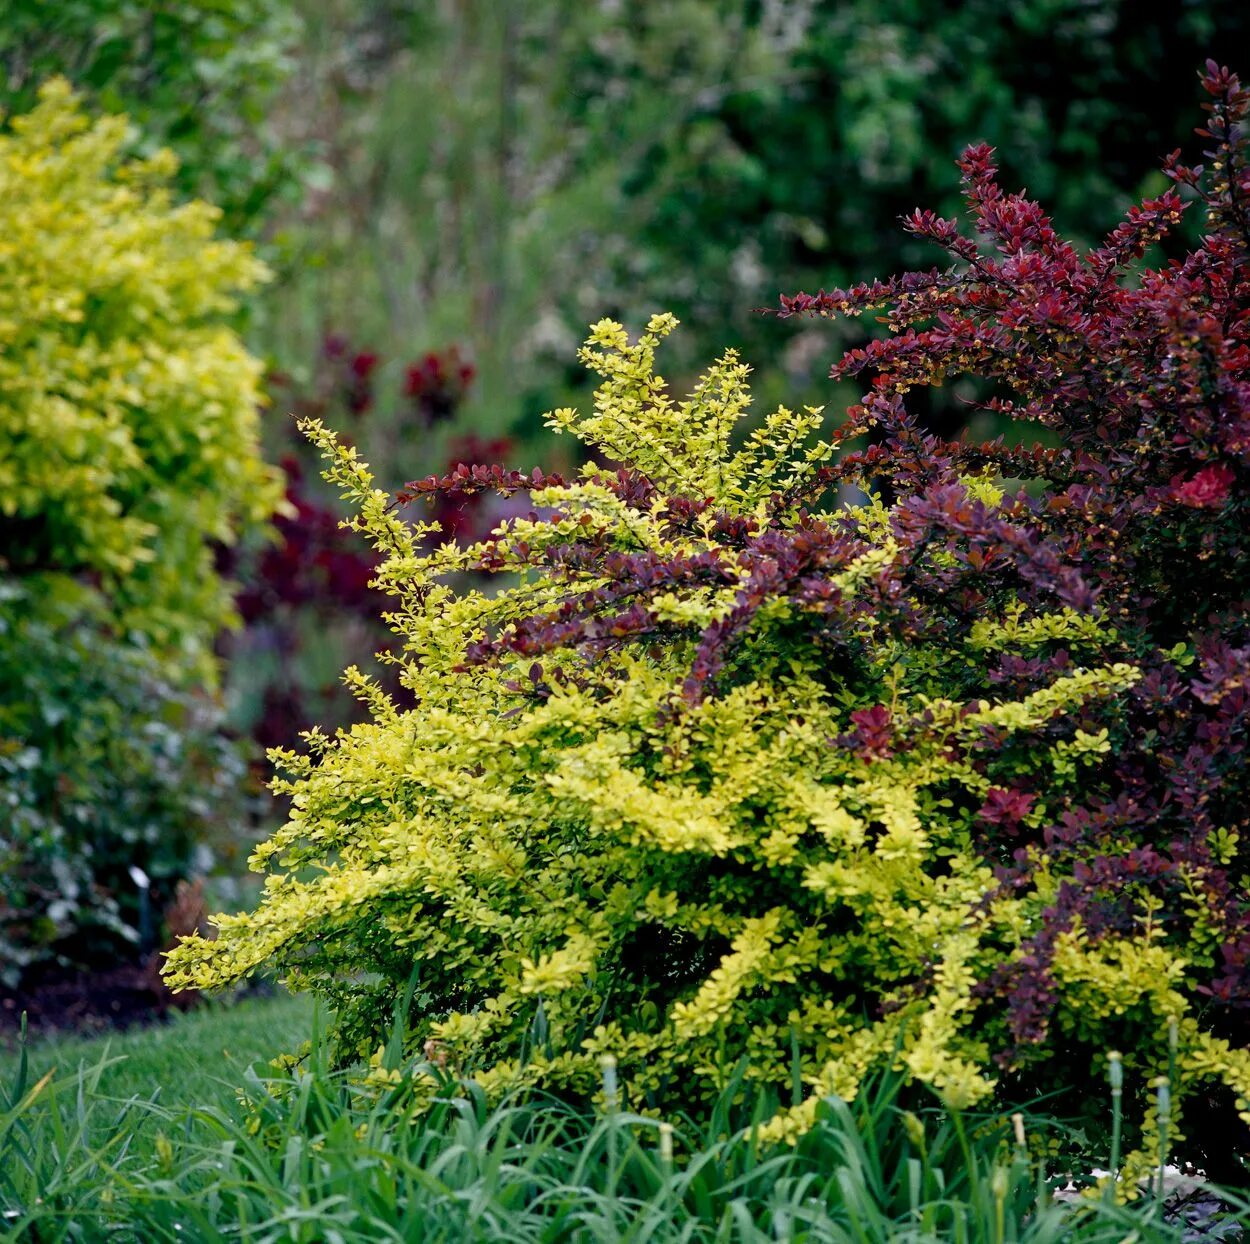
x=198, y=76
x=106, y=766
x=500, y=174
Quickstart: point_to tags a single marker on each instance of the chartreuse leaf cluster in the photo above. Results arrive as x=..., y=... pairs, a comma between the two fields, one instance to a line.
x=128, y=408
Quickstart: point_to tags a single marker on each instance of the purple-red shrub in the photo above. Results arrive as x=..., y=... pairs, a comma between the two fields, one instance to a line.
x=436, y=386
x=1140, y=378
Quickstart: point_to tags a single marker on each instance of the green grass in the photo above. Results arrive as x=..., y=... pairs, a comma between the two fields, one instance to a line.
x=196, y=1059
x=167, y=1134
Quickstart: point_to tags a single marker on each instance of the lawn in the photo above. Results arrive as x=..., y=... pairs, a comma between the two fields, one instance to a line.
x=196, y=1059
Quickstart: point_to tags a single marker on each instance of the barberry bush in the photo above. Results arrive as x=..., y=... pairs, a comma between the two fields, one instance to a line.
x=727, y=774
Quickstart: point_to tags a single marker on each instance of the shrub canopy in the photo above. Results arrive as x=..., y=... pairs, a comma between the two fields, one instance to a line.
x=725, y=771
x=128, y=409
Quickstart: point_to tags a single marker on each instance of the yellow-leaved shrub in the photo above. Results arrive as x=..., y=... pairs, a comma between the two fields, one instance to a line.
x=128, y=406
x=129, y=450
x=693, y=785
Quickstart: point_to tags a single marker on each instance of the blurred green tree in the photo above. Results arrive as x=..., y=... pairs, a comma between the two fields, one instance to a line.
x=801, y=131
x=198, y=76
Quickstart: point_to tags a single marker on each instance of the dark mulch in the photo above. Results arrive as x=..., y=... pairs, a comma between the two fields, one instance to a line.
x=56, y=1000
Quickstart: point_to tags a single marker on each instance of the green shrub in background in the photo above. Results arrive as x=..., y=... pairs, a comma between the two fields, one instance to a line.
x=106, y=766
x=198, y=76
x=129, y=431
